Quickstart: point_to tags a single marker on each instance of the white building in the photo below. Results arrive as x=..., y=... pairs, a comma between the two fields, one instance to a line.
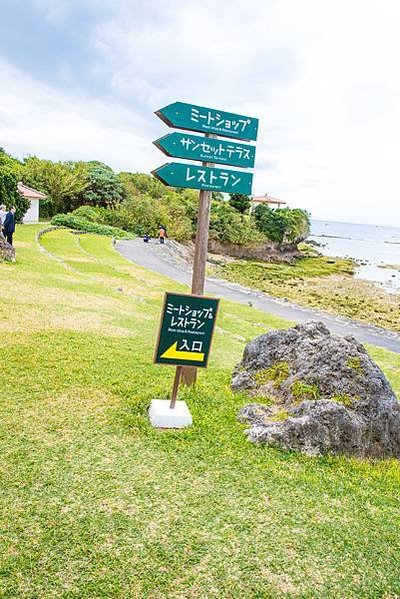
x=34, y=196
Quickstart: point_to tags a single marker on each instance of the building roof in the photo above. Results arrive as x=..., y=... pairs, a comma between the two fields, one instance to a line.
x=28, y=192
x=266, y=199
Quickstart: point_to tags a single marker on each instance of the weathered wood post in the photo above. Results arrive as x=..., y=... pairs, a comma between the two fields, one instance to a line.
x=189, y=373
x=208, y=150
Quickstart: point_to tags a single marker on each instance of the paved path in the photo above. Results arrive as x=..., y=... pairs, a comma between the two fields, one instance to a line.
x=157, y=258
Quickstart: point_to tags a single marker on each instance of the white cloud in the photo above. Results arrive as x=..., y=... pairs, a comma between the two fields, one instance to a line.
x=54, y=11
x=323, y=77
x=38, y=119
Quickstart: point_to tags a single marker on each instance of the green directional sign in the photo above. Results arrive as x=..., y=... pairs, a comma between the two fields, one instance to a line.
x=209, y=120
x=206, y=149
x=179, y=174
x=186, y=330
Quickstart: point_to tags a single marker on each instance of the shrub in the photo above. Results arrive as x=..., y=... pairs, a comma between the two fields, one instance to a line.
x=46, y=208
x=140, y=183
x=227, y=225
x=283, y=225
x=113, y=217
x=143, y=213
x=9, y=194
x=148, y=204
x=87, y=213
x=62, y=182
x=104, y=188
x=104, y=216
x=240, y=202
x=75, y=222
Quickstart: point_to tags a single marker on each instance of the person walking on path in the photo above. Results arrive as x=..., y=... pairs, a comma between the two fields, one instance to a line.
x=161, y=235
x=9, y=225
x=3, y=214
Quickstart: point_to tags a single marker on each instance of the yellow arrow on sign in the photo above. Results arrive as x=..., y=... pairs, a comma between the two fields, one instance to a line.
x=175, y=354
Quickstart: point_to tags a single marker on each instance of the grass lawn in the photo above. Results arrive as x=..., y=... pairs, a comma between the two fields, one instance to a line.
x=95, y=503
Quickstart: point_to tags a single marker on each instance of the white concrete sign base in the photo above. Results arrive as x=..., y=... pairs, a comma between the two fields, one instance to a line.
x=161, y=415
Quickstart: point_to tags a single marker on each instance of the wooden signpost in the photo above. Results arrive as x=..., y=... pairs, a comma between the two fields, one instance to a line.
x=209, y=120
x=218, y=151
x=179, y=174
x=207, y=178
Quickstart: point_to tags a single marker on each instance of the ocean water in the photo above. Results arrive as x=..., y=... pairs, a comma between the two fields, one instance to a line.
x=376, y=249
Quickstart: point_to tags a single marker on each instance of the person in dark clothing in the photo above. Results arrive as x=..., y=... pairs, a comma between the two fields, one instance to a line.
x=9, y=225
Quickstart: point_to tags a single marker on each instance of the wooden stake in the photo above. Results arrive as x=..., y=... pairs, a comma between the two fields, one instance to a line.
x=200, y=255
x=178, y=373
x=189, y=373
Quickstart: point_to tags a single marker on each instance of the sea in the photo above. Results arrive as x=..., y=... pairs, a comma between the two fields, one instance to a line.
x=375, y=248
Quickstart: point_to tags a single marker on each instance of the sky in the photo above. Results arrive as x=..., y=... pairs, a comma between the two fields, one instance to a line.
x=81, y=79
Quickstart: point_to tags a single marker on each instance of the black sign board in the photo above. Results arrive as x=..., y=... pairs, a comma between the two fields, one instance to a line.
x=186, y=330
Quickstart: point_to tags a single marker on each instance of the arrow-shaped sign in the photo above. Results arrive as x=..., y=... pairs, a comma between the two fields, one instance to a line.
x=195, y=147
x=209, y=120
x=179, y=174
x=174, y=353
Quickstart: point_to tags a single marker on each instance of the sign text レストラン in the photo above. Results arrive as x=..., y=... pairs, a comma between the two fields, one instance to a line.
x=178, y=174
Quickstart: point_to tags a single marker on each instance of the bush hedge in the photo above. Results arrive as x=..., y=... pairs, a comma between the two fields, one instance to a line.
x=112, y=217
x=81, y=224
x=283, y=225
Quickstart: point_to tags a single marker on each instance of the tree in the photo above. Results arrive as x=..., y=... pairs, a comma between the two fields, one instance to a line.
x=103, y=186
x=144, y=213
x=63, y=182
x=227, y=225
x=218, y=196
x=10, y=170
x=148, y=203
x=142, y=183
x=283, y=225
x=9, y=194
x=12, y=164
x=240, y=202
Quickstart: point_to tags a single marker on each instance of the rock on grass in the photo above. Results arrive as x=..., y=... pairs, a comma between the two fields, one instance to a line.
x=7, y=252
x=321, y=393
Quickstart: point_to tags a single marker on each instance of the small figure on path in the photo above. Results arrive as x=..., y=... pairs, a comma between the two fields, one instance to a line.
x=162, y=234
x=9, y=225
x=3, y=214
x=146, y=238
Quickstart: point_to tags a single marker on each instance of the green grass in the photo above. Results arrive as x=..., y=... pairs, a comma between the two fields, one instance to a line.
x=302, y=391
x=344, y=399
x=278, y=373
x=95, y=503
x=354, y=364
x=309, y=267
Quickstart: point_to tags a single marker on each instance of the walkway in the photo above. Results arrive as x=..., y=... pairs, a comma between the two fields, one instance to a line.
x=157, y=258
